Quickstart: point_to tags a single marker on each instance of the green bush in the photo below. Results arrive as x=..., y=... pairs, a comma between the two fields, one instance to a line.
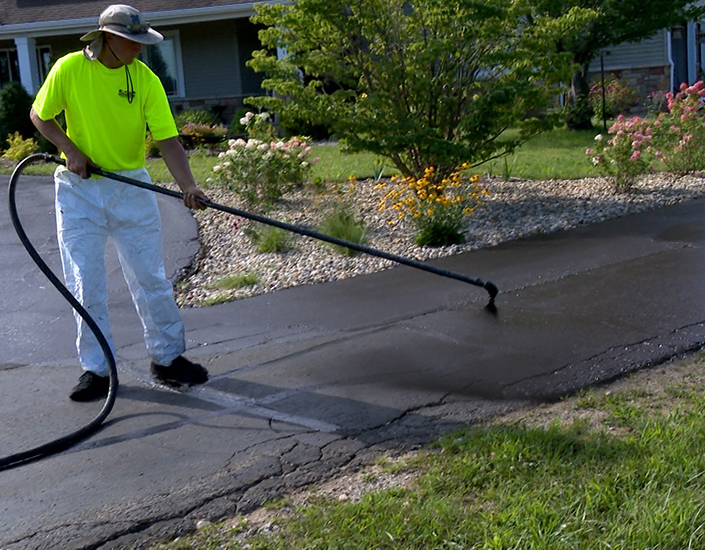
x=151, y=149
x=19, y=147
x=15, y=104
x=196, y=116
x=424, y=83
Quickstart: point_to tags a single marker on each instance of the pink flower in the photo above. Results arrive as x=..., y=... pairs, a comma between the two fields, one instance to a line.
x=635, y=156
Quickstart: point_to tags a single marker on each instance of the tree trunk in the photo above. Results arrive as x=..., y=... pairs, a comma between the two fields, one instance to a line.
x=579, y=112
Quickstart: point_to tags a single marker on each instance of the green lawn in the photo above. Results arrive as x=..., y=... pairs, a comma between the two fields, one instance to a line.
x=555, y=154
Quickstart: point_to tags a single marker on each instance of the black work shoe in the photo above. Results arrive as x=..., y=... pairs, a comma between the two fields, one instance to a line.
x=180, y=373
x=90, y=387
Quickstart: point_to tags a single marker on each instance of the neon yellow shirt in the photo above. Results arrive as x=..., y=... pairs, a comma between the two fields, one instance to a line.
x=99, y=118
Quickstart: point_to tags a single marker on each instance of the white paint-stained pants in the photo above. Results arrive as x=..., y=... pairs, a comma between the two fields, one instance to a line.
x=87, y=213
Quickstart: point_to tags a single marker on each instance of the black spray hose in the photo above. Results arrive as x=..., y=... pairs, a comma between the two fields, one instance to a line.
x=487, y=285
x=66, y=441
x=72, y=438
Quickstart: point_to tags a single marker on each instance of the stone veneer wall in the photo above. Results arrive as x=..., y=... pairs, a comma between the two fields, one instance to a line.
x=645, y=81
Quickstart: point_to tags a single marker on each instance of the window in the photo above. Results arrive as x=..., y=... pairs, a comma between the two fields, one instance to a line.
x=165, y=60
x=43, y=61
x=9, y=66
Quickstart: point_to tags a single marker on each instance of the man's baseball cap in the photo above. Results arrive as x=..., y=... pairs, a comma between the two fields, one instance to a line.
x=126, y=21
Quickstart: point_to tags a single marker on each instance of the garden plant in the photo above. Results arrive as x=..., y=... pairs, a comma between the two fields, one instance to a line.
x=260, y=171
x=430, y=83
x=672, y=141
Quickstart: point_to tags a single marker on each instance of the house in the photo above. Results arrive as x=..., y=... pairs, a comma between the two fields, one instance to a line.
x=201, y=61
x=659, y=63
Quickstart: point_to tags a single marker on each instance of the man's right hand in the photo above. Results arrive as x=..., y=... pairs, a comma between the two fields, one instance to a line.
x=78, y=163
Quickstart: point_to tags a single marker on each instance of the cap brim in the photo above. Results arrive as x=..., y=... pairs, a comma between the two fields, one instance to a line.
x=149, y=37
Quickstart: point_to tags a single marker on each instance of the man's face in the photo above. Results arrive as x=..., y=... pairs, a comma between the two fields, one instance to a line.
x=125, y=50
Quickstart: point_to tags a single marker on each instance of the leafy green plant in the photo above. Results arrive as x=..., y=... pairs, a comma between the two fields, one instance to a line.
x=196, y=116
x=269, y=238
x=428, y=83
x=19, y=147
x=342, y=224
x=151, y=149
x=15, y=103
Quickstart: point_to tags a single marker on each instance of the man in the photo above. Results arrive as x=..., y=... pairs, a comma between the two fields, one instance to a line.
x=109, y=97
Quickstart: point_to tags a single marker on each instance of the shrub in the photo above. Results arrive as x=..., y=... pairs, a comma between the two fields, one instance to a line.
x=437, y=208
x=680, y=131
x=196, y=116
x=618, y=98
x=151, y=149
x=424, y=83
x=673, y=140
x=15, y=104
x=341, y=223
x=237, y=128
x=260, y=172
x=259, y=125
x=19, y=147
x=622, y=155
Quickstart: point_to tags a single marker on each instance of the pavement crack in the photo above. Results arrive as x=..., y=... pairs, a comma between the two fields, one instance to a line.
x=614, y=354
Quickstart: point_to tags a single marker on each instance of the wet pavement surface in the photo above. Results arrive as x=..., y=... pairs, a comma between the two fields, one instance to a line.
x=313, y=379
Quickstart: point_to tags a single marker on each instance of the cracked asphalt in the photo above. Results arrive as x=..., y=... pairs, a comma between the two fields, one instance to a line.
x=314, y=379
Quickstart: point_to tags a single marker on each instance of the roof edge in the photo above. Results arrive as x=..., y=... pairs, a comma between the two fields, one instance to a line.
x=156, y=18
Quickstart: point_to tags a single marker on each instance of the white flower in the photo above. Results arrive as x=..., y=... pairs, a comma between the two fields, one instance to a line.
x=598, y=137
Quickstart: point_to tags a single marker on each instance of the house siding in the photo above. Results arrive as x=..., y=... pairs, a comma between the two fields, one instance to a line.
x=651, y=52
x=642, y=66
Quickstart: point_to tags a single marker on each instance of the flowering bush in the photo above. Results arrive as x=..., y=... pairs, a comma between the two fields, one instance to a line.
x=673, y=140
x=259, y=126
x=260, y=172
x=436, y=208
x=622, y=155
x=618, y=98
x=680, y=131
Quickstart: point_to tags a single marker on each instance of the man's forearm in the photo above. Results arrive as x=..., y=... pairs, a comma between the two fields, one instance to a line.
x=176, y=161
x=76, y=160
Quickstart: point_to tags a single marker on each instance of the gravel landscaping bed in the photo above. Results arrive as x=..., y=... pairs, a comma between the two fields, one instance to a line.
x=510, y=210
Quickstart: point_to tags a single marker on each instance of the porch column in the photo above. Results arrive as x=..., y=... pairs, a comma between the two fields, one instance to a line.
x=27, y=57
